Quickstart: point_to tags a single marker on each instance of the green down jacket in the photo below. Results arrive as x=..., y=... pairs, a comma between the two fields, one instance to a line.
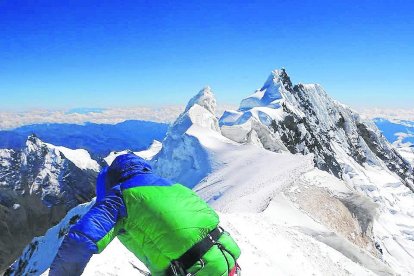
x=156, y=219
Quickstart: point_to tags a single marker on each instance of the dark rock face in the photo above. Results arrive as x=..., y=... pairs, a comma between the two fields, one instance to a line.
x=326, y=122
x=391, y=158
x=38, y=185
x=22, y=265
x=291, y=136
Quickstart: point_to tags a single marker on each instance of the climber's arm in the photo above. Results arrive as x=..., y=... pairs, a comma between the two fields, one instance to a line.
x=94, y=231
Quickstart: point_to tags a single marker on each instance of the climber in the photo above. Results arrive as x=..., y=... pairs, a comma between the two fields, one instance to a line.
x=166, y=225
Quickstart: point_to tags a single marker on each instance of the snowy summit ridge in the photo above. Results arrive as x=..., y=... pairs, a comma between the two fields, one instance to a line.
x=304, y=119
x=177, y=159
x=205, y=98
x=270, y=94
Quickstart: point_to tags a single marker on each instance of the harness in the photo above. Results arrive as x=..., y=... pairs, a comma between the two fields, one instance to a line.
x=196, y=252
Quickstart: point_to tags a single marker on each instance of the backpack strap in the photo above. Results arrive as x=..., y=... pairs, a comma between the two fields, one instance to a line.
x=194, y=254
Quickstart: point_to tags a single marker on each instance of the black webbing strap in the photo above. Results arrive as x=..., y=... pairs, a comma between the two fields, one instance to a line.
x=195, y=253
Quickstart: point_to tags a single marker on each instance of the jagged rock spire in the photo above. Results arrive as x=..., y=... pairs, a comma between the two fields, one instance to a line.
x=278, y=77
x=205, y=98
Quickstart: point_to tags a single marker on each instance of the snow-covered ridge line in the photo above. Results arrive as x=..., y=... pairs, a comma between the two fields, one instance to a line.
x=80, y=157
x=147, y=154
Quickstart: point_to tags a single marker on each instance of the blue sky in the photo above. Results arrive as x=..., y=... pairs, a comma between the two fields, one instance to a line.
x=65, y=54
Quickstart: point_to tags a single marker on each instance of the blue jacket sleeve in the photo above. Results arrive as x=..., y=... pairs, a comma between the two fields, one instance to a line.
x=84, y=238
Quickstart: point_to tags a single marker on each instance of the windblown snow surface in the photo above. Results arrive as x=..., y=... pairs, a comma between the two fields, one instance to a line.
x=289, y=217
x=147, y=154
x=406, y=150
x=80, y=157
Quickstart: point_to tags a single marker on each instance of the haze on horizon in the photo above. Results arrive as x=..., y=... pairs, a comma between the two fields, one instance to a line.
x=62, y=55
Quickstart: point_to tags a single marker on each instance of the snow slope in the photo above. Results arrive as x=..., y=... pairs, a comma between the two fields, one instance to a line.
x=80, y=157
x=147, y=154
x=182, y=157
x=406, y=150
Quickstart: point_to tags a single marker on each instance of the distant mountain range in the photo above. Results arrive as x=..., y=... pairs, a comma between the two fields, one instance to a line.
x=97, y=139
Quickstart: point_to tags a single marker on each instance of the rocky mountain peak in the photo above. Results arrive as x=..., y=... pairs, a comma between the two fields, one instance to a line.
x=205, y=98
x=278, y=77
x=39, y=184
x=200, y=111
x=33, y=142
x=182, y=157
x=306, y=120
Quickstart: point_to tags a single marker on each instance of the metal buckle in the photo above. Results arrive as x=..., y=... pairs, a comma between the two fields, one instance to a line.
x=202, y=263
x=211, y=238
